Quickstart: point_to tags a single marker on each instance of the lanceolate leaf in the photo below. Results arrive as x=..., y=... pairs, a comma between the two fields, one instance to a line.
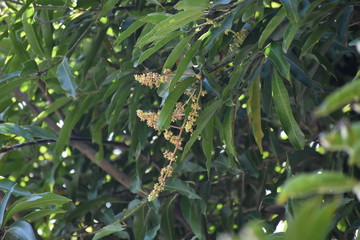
x=21, y=230
x=291, y=10
x=60, y=102
x=229, y=131
x=109, y=4
x=168, y=108
x=167, y=219
x=284, y=112
x=3, y=204
x=208, y=143
x=254, y=111
x=66, y=78
x=11, y=128
x=304, y=184
x=272, y=25
x=203, y=120
x=32, y=38
x=135, y=26
x=274, y=52
x=107, y=230
x=182, y=187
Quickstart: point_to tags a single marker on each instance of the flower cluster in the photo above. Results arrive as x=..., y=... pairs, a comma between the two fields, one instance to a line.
x=154, y=80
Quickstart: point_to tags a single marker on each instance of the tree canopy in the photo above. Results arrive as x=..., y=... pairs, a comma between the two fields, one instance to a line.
x=165, y=119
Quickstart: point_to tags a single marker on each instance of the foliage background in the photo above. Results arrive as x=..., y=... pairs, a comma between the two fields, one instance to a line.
x=69, y=98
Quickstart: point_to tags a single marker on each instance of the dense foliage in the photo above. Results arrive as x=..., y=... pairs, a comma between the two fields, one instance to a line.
x=239, y=117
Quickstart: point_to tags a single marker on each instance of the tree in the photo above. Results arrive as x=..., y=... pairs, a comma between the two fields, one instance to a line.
x=179, y=119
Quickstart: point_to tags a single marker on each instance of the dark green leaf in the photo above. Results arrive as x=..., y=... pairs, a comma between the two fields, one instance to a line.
x=272, y=25
x=291, y=10
x=11, y=128
x=66, y=78
x=3, y=204
x=274, y=52
x=21, y=230
x=107, y=230
x=176, y=184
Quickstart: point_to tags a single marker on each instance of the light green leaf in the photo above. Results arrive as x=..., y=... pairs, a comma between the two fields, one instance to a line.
x=11, y=128
x=284, y=112
x=229, y=131
x=145, y=55
x=305, y=184
x=7, y=88
x=175, y=53
x=184, y=63
x=182, y=187
x=291, y=10
x=3, y=204
x=203, y=120
x=254, y=111
x=31, y=36
x=192, y=5
x=19, y=48
x=40, y=200
x=168, y=108
x=168, y=25
x=274, y=52
x=107, y=230
x=66, y=78
x=271, y=26
x=57, y=104
x=342, y=96
x=21, y=230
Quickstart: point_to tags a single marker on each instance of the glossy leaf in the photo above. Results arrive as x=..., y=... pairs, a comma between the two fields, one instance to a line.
x=305, y=184
x=284, y=112
x=107, y=230
x=176, y=184
x=291, y=10
x=40, y=200
x=271, y=26
x=21, y=230
x=254, y=111
x=168, y=107
x=66, y=78
x=274, y=52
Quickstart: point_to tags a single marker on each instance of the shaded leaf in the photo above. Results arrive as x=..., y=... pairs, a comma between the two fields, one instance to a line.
x=271, y=26
x=9, y=76
x=274, y=52
x=133, y=27
x=66, y=78
x=192, y=215
x=182, y=187
x=291, y=10
x=11, y=128
x=21, y=230
x=31, y=36
x=228, y=131
x=6, y=184
x=3, y=204
x=38, y=214
x=107, y=230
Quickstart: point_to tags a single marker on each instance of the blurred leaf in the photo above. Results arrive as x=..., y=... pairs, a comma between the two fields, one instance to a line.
x=10, y=75
x=66, y=78
x=291, y=10
x=168, y=107
x=284, y=112
x=21, y=230
x=289, y=36
x=31, y=36
x=342, y=96
x=6, y=184
x=207, y=142
x=19, y=48
x=305, y=184
x=182, y=187
x=151, y=234
x=192, y=215
x=229, y=131
x=108, y=5
x=40, y=200
x=87, y=206
x=167, y=219
x=313, y=38
x=38, y=214
x=57, y=104
x=107, y=230
x=135, y=26
x=192, y=5
x=254, y=111
x=11, y=128
x=39, y=132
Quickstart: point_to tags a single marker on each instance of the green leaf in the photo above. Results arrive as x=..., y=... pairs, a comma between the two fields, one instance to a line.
x=57, y=104
x=314, y=38
x=3, y=204
x=21, y=230
x=133, y=27
x=184, y=63
x=167, y=219
x=192, y=5
x=271, y=26
x=289, y=36
x=284, y=112
x=313, y=219
x=342, y=96
x=229, y=131
x=168, y=108
x=182, y=187
x=38, y=214
x=11, y=128
x=234, y=79
x=10, y=75
x=168, y=25
x=202, y=121
x=6, y=88
x=31, y=36
x=274, y=52
x=291, y=10
x=6, y=184
x=254, y=111
x=151, y=234
x=207, y=142
x=175, y=53
x=66, y=78
x=107, y=230
x=19, y=48
x=145, y=55
x=109, y=4
x=40, y=200
x=39, y=132
x=192, y=215
x=305, y=184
